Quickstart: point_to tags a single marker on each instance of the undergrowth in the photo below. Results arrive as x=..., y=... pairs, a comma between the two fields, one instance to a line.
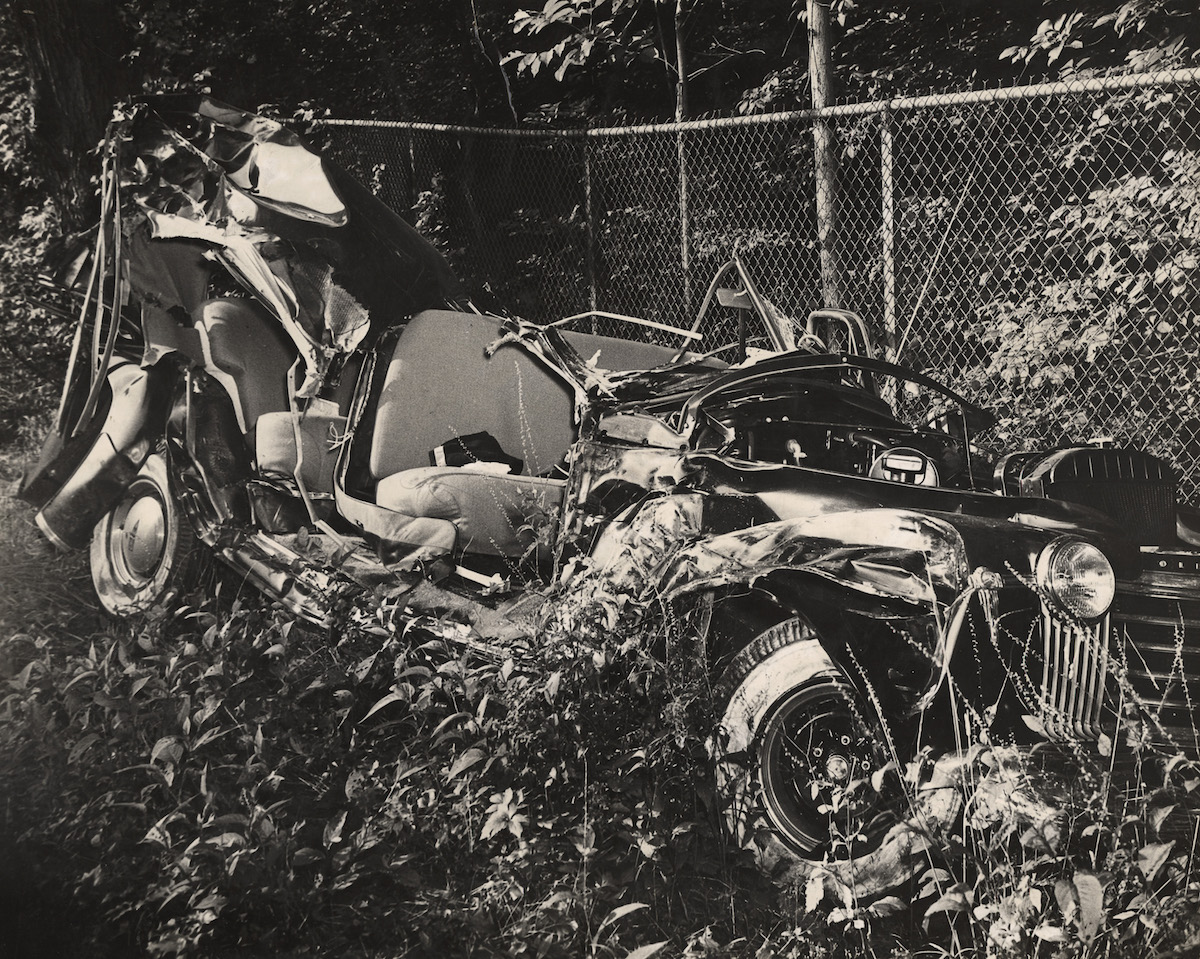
x=219, y=781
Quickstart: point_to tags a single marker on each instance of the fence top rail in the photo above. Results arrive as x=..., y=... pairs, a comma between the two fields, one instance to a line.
x=899, y=104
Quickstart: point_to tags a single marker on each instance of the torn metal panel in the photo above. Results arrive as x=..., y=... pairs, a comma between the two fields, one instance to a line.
x=886, y=553
x=207, y=189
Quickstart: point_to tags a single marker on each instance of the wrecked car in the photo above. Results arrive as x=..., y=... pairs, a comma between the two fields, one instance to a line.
x=273, y=369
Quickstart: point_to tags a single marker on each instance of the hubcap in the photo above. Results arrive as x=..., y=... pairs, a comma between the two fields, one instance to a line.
x=140, y=536
x=814, y=752
x=838, y=769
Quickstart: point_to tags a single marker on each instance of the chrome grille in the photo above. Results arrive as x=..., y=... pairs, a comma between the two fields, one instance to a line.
x=1074, y=666
x=1158, y=642
x=1146, y=510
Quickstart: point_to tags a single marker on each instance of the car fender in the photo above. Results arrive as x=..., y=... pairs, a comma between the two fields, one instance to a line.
x=76, y=483
x=888, y=555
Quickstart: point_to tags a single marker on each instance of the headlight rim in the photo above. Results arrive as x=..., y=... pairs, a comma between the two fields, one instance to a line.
x=1049, y=580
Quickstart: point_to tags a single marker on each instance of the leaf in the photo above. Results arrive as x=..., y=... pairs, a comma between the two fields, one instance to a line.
x=333, y=830
x=158, y=835
x=1150, y=859
x=88, y=674
x=954, y=899
x=619, y=913
x=887, y=906
x=168, y=748
x=363, y=668
x=1159, y=815
x=82, y=746
x=447, y=725
x=1048, y=933
x=645, y=952
x=385, y=701
x=1064, y=892
x=495, y=823
x=226, y=840
x=932, y=880
x=358, y=782
x=1091, y=904
x=814, y=891
x=209, y=735
x=307, y=856
x=464, y=762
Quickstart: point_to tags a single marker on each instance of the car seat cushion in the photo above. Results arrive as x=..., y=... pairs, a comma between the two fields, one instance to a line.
x=495, y=515
x=321, y=431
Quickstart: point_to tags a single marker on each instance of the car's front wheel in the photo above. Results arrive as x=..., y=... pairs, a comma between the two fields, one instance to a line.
x=143, y=552
x=797, y=757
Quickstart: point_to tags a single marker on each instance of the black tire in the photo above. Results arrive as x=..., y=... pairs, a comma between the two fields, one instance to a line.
x=795, y=751
x=143, y=552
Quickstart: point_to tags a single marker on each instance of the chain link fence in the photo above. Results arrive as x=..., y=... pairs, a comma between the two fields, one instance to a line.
x=1036, y=248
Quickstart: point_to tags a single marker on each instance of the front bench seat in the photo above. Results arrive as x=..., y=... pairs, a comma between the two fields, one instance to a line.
x=494, y=515
x=440, y=384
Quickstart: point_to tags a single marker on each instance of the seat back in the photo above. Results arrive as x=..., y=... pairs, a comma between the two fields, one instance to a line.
x=612, y=353
x=440, y=385
x=246, y=352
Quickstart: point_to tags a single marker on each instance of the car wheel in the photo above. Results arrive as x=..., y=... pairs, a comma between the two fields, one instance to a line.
x=795, y=753
x=143, y=552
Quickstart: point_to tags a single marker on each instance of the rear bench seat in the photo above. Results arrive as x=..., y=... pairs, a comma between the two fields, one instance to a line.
x=440, y=385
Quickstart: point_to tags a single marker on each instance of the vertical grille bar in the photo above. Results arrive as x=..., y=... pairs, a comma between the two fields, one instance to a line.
x=1074, y=664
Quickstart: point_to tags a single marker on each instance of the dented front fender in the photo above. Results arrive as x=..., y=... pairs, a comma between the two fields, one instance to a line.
x=81, y=477
x=886, y=554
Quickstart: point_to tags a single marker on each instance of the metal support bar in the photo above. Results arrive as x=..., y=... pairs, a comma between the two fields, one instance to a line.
x=887, y=231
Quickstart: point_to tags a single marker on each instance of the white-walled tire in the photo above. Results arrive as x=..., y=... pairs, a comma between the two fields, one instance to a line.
x=143, y=552
x=795, y=752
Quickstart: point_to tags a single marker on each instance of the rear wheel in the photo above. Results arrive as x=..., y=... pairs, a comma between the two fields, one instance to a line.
x=796, y=752
x=143, y=552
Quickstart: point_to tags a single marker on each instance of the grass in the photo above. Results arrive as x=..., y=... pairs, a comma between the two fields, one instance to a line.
x=41, y=588
x=217, y=783
x=45, y=602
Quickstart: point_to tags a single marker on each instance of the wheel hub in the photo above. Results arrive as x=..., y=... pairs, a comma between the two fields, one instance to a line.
x=814, y=750
x=838, y=768
x=142, y=536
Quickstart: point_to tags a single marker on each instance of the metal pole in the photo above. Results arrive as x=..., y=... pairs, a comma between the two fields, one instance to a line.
x=888, y=230
x=410, y=178
x=820, y=74
x=681, y=109
x=590, y=212
x=685, y=227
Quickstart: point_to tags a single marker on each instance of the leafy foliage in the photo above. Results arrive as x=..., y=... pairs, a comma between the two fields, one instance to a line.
x=217, y=780
x=33, y=340
x=1093, y=279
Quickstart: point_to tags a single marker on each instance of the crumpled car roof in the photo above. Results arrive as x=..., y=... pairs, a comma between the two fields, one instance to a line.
x=199, y=183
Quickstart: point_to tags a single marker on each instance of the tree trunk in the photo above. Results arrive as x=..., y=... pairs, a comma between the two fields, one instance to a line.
x=820, y=74
x=74, y=50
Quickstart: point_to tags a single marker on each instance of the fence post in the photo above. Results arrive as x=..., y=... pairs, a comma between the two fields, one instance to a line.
x=410, y=174
x=685, y=240
x=820, y=73
x=888, y=230
x=681, y=110
x=590, y=213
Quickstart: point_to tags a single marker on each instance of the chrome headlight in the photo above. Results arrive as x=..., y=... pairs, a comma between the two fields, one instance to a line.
x=1076, y=577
